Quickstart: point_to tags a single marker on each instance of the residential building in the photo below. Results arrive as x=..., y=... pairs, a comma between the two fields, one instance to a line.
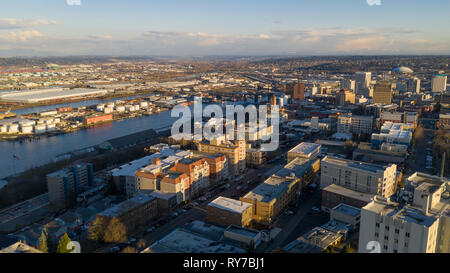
x=359, y=176
x=198, y=172
x=304, y=150
x=218, y=168
x=348, y=124
x=64, y=185
x=133, y=213
x=255, y=157
x=334, y=195
x=271, y=197
x=226, y=211
x=235, y=152
x=150, y=177
x=304, y=169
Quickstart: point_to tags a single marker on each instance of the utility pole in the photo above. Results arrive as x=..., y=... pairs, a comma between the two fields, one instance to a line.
x=443, y=165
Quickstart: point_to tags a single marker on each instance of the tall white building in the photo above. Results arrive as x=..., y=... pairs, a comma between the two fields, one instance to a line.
x=420, y=227
x=358, y=176
x=355, y=124
x=362, y=81
x=439, y=83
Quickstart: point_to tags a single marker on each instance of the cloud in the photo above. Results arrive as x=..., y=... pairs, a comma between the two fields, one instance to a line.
x=302, y=41
x=10, y=23
x=21, y=36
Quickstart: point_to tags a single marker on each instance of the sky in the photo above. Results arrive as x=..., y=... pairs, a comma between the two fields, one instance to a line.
x=223, y=27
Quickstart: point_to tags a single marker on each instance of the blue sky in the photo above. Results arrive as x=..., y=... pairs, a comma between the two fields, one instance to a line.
x=224, y=27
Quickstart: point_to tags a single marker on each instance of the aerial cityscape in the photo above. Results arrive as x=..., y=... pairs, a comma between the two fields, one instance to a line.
x=234, y=127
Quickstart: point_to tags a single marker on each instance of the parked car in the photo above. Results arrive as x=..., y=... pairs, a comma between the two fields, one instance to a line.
x=289, y=212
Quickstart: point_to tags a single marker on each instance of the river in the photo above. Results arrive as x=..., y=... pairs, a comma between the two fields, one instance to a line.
x=44, y=150
x=41, y=151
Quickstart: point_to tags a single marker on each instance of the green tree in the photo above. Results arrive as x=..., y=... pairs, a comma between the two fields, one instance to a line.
x=43, y=242
x=63, y=242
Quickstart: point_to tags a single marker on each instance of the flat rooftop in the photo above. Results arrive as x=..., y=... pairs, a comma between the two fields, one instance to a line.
x=419, y=178
x=299, y=166
x=183, y=241
x=305, y=149
x=124, y=207
x=243, y=231
x=320, y=237
x=270, y=189
x=348, y=210
x=50, y=94
x=130, y=168
x=229, y=204
x=20, y=247
x=333, y=188
x=374, y=168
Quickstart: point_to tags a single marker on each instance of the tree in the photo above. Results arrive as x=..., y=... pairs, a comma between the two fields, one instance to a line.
x=97, y=229
x=141, y=244
x=349, y=249
x=42, y=246
x=115, y=232
x=63, y=242
x=129, y=249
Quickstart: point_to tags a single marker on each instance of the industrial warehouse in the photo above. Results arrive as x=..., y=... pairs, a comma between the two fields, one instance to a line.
x=53, y=94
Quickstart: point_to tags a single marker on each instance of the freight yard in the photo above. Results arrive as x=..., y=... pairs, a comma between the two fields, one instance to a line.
x=67, y=119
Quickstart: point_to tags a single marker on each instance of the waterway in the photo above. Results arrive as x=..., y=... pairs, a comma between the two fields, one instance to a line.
x=17, y=157
x=41, y=151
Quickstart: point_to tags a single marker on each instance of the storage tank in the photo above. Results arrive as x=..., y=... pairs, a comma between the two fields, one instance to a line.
x=136, y=107
x=13, y=128
x=120, y=108
x=51, y=127
x=3, y=128
x=110, y=104
x=28, y=123
x=27, y=129
x=100, y=107
x=108, y=110
x=40, y=129
x=143, y=104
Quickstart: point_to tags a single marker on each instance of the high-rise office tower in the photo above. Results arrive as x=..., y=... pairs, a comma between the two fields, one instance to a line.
x=382, y=93
x=298, y=93
x=349, y=84
x=439, y=83
x=414, y=85
x=362, y=81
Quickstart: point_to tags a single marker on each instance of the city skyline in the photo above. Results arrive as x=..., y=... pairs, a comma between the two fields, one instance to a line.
x=203, y=28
